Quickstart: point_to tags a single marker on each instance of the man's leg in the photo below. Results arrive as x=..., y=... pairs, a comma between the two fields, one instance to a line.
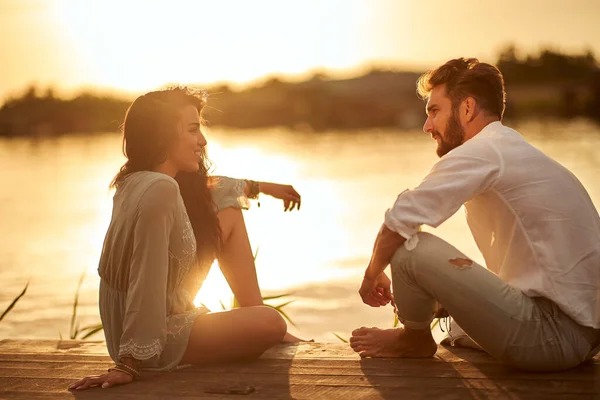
x=502, y=320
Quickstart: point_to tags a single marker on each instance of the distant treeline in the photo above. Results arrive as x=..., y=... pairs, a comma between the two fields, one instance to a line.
x=44, y=114
x=546, y=84
x=551, y=84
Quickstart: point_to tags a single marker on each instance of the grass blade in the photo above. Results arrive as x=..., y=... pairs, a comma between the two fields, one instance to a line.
x=283, y=314
x=92, y=329
x=435, y=323
x=279, y=307
x=73, y=328
x=279, y=296
x=339, y=337
x=77, y=331
x=89, y=327
x=10, y=307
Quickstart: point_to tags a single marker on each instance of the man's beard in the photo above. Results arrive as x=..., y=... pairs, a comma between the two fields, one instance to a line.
x=453, y=135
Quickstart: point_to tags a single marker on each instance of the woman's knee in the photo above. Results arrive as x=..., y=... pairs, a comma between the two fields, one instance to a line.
x=272, y=324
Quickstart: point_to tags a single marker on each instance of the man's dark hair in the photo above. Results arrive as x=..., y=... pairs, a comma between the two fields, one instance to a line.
x=467, y=77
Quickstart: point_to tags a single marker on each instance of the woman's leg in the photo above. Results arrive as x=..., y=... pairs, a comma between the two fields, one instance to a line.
x=237, y=262
x=239, y=334
x=525, y=332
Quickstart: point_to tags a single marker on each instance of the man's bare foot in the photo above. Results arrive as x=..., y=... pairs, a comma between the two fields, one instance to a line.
x=289, y=338
x=394, y=343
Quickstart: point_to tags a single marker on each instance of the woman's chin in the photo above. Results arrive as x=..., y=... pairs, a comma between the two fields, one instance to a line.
x=191, y=168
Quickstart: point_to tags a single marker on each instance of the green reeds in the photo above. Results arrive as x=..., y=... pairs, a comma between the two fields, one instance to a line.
x=75, y=332
x=340, y=338
x=16, y=299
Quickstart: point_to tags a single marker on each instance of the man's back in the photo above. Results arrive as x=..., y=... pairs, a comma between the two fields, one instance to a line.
x=535, y=224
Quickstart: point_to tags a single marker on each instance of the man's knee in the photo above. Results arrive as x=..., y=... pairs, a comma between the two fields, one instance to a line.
x=430, y=254
x=405, y=253
x=428, y=250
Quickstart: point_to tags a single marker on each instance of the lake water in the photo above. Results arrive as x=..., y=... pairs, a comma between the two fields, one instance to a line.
x=55, y=207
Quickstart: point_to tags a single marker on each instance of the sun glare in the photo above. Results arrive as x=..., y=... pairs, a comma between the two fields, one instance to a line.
x=134, y=46
x=215, y=292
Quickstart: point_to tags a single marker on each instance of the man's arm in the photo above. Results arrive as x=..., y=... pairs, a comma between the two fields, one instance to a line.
x=375, y=289
x=386, y=244
x=453, y=180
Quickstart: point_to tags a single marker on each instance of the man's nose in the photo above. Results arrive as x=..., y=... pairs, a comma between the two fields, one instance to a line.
x=428, y=127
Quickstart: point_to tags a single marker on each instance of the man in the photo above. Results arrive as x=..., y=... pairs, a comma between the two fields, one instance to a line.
x=537, y=305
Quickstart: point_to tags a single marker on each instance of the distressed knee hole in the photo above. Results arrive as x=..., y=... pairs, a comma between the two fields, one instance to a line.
x=461, y=263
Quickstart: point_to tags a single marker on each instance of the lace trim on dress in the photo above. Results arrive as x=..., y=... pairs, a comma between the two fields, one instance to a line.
x=188, y=256
x=239, y=188
x=141, y=351
x=186, y=321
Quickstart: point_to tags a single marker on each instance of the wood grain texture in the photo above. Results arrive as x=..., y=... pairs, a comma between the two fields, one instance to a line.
x=42, y=369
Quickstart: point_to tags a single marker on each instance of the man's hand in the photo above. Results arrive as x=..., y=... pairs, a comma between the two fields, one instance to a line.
x=441, y=312
x=376, y=291
x=287, y=193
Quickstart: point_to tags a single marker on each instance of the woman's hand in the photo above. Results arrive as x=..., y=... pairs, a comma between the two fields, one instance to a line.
x=113, y=378
x=287, y=193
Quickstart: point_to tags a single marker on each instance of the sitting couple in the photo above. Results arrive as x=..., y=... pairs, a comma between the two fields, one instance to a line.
x=536, y=305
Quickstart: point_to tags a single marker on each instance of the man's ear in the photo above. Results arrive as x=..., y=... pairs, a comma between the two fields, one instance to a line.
x=470, y=109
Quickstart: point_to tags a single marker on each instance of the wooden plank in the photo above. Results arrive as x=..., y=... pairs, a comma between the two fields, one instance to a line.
x=43, y=369
x=299, y=393
x=67, y=358
x=33, y=367
x=10, y=346
x=284, y=351
x=313, y=388
x=157, y=382
x=372, y=366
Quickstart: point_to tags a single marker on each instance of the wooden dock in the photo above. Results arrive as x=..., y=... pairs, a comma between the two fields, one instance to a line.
x=42, y=369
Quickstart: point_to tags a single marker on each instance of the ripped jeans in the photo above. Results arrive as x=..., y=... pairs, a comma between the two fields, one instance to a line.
x=529, y=333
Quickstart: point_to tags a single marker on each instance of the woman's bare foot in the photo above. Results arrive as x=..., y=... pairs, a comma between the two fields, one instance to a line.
x=394, y=343
x=289, y=338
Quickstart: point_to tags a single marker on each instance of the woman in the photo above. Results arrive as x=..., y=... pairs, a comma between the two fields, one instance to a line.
x=155, y=257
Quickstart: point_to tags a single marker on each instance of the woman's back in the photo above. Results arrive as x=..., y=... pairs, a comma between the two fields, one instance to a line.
x=148, y=272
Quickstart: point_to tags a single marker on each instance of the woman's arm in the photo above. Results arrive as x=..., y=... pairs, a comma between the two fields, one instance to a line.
x=145, y=314
x=291, y=198
x=232, y=192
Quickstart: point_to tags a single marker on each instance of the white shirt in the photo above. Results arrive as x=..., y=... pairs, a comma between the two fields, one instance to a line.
x=532, y=220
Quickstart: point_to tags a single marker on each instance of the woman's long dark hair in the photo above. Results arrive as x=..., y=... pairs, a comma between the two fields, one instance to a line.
x=149, y=129
x=195, y=190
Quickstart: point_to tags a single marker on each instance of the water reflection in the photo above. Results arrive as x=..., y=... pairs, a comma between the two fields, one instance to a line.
x=55, y=207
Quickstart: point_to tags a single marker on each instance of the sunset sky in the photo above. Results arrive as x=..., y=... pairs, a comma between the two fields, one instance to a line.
x=131, y=45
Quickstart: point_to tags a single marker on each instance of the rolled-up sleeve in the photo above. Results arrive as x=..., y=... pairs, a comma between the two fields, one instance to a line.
x=144, y=326
x=454, y=179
